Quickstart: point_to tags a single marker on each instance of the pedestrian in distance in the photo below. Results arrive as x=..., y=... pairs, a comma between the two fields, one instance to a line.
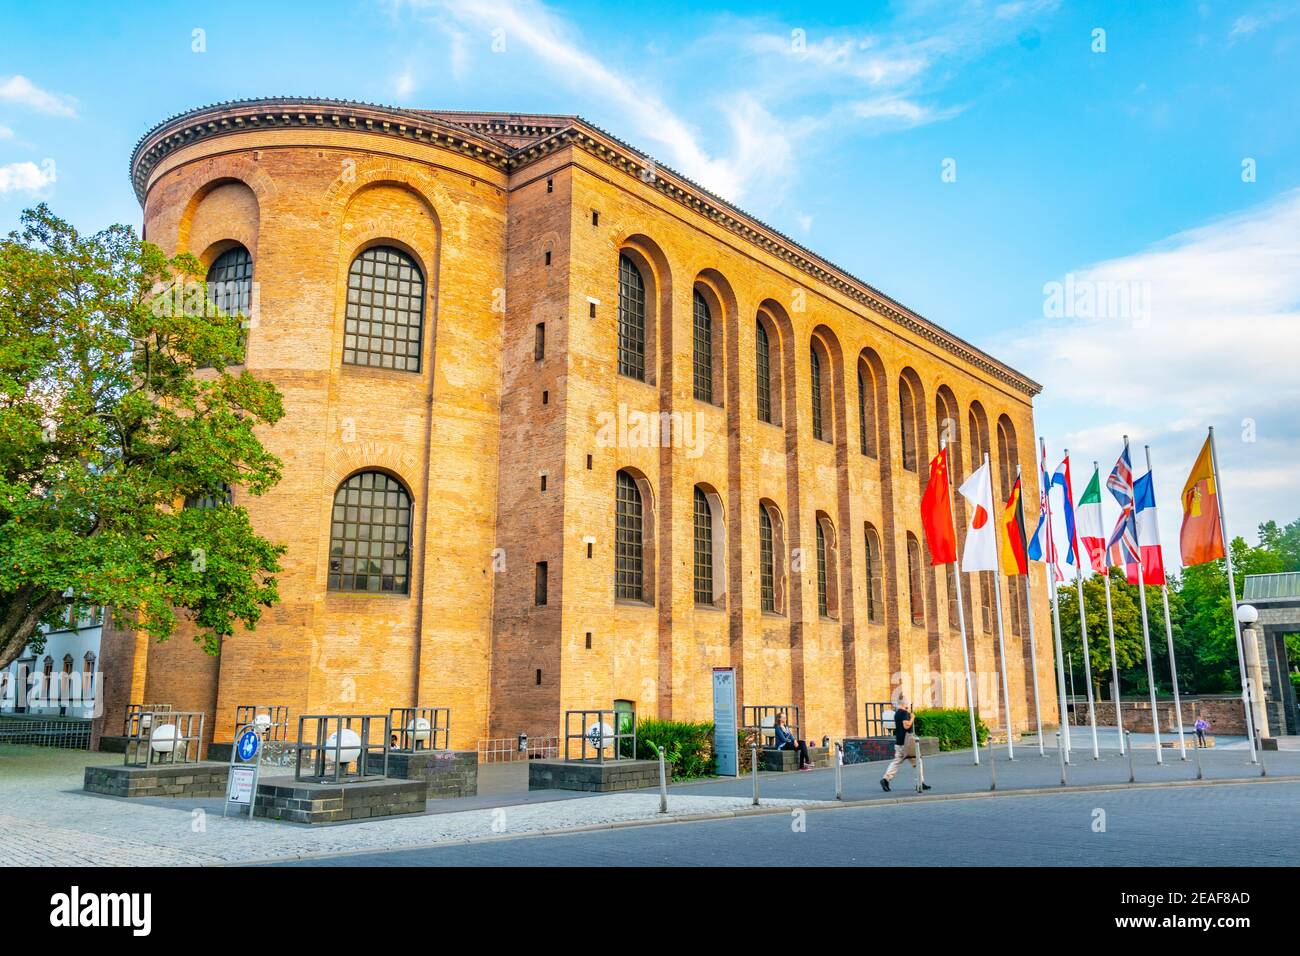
x=786, y=741
x=1202, y=725
x=905, y=744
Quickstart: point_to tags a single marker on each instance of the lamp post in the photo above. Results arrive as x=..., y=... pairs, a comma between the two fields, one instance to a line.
x=1247, y=615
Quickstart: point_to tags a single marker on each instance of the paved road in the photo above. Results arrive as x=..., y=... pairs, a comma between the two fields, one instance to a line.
x=1245, y=824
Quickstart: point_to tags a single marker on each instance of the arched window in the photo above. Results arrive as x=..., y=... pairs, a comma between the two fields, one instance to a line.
x=914, y=583
x=863, y=404
x=88, y=674
x=828, y=574
x=370, y=535
x=703, y=549
x=907, y=423
x=211, y=501
x=875, y=578
x=703, y=360
x=230, y=281
x=631, y=320
x=766, y=559
x=763, y=360
x=818, y=425
x=384, y=322
x=823, y=602
x=629, y=539
x=1008, y=467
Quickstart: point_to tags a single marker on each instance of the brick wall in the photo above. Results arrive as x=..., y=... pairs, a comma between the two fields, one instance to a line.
x=1224, y=714
x=471, y=437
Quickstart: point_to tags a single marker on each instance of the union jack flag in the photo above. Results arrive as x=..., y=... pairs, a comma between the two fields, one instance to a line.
x=1123, y=542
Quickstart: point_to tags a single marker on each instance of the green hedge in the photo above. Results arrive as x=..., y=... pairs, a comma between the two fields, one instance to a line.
x=687, y=746
x=951, y=725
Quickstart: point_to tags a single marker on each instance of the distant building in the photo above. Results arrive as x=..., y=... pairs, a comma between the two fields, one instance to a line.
x=563, y=428
x=63, y=677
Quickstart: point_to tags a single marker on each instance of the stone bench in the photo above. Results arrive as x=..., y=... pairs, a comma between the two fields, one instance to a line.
x=608, y=777
x=1191, y=740
x=201, y=779
x=283, y=798
x=783, y=761
x=448, y=773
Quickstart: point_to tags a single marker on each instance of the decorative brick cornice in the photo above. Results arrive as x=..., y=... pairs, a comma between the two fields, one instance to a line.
x=485, y=137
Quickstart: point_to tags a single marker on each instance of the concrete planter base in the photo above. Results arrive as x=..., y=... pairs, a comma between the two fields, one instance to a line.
x=283, y=798
x=201, y=779
x=608, y=777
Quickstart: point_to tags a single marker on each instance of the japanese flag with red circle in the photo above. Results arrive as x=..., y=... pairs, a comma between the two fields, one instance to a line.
x=981, y=551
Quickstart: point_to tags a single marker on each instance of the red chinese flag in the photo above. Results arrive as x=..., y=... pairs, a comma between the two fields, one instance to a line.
x=936, y=513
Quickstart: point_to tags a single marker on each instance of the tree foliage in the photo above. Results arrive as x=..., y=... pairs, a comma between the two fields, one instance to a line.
x=1200, y=612
x=118, y=401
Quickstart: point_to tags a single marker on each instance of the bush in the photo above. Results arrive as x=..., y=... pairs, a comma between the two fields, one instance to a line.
x=951, y=725
x=687, y=746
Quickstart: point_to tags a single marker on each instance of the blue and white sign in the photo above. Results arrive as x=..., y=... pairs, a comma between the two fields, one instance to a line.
x=724, y=720
x=249, y=744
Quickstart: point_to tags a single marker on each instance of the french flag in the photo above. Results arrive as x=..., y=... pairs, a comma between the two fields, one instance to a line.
x=1148, y=531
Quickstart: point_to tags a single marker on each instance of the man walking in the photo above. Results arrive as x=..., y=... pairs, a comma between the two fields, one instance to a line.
x=903, y=721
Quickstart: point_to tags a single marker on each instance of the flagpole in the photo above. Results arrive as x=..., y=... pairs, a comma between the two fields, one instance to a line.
x=961, y=619
x=1169, y=634
x=1033, y=648
x=1232, y=596
x=1083, y=623
x=1063, y=723
x=1142, y=602
x=1002, y=647
x=1110, y=621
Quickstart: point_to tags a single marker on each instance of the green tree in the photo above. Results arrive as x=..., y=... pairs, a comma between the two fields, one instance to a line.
x=107, y=425
x=1128, y=630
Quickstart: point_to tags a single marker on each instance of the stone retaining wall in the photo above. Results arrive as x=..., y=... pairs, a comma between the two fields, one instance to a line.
x=1226, y=715
x=201, y=779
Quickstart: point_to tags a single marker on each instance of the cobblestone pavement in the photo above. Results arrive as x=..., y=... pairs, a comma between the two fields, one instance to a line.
x=46, y=818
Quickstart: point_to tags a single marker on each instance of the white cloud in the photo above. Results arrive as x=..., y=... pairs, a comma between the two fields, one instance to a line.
x=1250, y=23
x=20, y=90
x=531, y=26
x=27, y=177
x=1219, y=344
x=404, y=84
x=6, y=133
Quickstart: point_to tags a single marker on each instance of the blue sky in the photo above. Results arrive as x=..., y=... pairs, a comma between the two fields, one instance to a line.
x=833, y=123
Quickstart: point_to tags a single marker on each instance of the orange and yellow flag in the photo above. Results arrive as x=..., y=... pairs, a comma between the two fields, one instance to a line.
x=1201, y=538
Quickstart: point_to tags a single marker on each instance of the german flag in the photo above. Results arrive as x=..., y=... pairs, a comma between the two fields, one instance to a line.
x=1013, y=541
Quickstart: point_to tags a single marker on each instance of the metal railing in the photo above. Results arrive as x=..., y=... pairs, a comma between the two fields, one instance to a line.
x=164, y=737
x=338, y=748
x=70, y=734
x=507, y=749
x=419, y=728
x=880, y=719
x=271, y=720
x=136, y=713
x=598, y=731
x=761, y=718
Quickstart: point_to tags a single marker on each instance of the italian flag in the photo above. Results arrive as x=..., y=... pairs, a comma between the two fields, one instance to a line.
x=1091, y=536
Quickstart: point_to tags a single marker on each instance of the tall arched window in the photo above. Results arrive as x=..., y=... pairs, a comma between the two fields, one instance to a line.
x=384, y=321
x=629, y=539
x=862, y=413
x=907, y=423
x=370, y=535
x=823, y=559
x=230, y=281
x=763, y=363
x=703, y=549
x=950, y=583
x=818, y=426
x=703, y=355
x=766, y=561
x=631, y=320
x=875, y=578
x=916, y=595
x=88, y=675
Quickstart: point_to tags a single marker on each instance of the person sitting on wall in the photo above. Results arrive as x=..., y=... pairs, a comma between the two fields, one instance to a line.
x=786, y=741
